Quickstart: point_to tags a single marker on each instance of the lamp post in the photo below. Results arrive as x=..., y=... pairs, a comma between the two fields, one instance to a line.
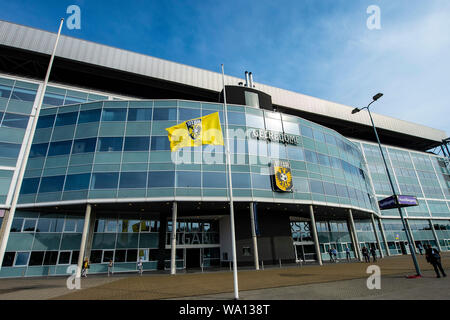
x=408, y=235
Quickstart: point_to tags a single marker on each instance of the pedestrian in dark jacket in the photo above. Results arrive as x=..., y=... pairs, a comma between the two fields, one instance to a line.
x=373, y=252
x=432, y=255
x=365, y=253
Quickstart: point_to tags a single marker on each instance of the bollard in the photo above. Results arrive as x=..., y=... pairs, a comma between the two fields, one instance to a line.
x=262, y=264
x=280, y=262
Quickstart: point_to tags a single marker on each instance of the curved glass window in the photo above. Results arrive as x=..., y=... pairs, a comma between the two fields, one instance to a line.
x=5, y=91
x=140, y=114
x=330, y=189
x=307, y=132
x=105, y=180
x=59, y=148
x=237, y=118
x=52, y=99
x=214, y=180
x=84, y=145
x=23, y=94
x=73, y=100
x=241, y=180
x=161, y=179
x=9, y=150
x=133, y=179
x=160, y=143
x=323, y=160
x=257, y=147
x=319, y=136
x=187, y=114
x=277, y=150
x=15, y=121
x=310, y=156
x=164, y=114
x=274, y=124
x=65, y=119
x=114, y=114
x=51, y=184
x=89, y=116
x=77, y=181
x=316, y=186
x=330, y=139
x=188, y=179
x=254, y=121
x=137, y=143
x=295, y=153
x=291, y=128
x=46, y=121
x=336, y=163
x=29, y=185
x=342, y=191
x=260, y=181
x=109, y=144
x=38, y=150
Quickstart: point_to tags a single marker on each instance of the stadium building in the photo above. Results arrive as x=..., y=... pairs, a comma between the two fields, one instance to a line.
x=101, y=178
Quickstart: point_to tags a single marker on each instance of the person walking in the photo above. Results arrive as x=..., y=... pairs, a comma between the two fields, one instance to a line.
x=334, y=252
x=434, y=258
x=347, y=253
x=140, y=266
x=365, y=253
x=373, y=252
x=330, y=253
x=110, y=267
x=85, y=268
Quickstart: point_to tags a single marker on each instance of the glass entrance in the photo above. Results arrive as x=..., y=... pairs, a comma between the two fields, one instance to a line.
x=193, y=258
x=305, y=251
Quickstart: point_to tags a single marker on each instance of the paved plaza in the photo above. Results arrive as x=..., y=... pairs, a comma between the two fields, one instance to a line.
x=331, y=281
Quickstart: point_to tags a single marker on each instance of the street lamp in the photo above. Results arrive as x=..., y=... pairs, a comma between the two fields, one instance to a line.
x=408, y=235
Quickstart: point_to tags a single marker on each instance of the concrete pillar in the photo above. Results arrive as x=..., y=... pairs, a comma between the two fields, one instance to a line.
x=413, y=244
x=255, y=239
x=354, y=235
x=376, y=234
x=84, y=237
x=314, y=231
x=384, y=237
x=173, y=266
x=3, y=227
x=435, y=235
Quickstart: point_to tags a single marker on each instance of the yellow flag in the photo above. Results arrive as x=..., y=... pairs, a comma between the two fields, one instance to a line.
x=196, y=132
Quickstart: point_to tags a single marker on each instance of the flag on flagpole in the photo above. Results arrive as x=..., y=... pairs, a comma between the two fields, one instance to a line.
x=196, y=132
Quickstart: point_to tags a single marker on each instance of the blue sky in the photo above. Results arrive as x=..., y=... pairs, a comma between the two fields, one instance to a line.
x=322, y=48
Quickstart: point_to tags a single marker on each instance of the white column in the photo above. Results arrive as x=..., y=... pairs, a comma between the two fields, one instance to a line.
x=355, y=235
x=314, y=231
x=173, y=248
x=376, y=234
x=84, y=236
x=255, y=239
x=388, y=252
x=435, y=235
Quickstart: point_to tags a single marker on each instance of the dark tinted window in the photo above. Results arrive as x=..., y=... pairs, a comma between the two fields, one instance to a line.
x=165, y=114
x=106, y=180
x=38, y=150
x=133, y=179
x=89, y=116
x=214, y=180
x=8, y=259
x=77, y=181
x=9, y=150
x=46, y=121
x=316, y=186
x=188, y=179
x=23, y=94
x=240, y=180
x=139, y=114
x=136, y=143
x=50, y=258
x=84, y=145
x=113, y=114
x=64, y=119
x=160, y=143
x=110, y=144
x=29, y=185
x=51, y=184
x=187, y=114
x=161, y=179
x=59, y=148
x=237, y=118
x=36, y=258
x=15, y=121
x=53, y=99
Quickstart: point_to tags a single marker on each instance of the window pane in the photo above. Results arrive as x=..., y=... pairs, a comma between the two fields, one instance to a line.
x=15, y=121
x=291, y=128
x=64, y=257
x=38, y=150
x=165, y=114
x=214, y=180
x=120, y=255
x=237, y=118
x=89, y=116
x=136, y=143
x=131, y=255
x=59, y=148
x=160, y=143
x=43, y=225
x=29, y=185
x=139, y=114
x=70, y=225
x=110, y=144
x=84, y=145
x=316, y=186
x=241, y=180
x=64, y=119
x=254, y=121
x=77, y=181
x=5, y=91
x=52, y=99
x=36, y=258
x=50, y=258
x=330, y=189
x=188, y=179
x=46, y=121
x=261, y=181
x=16, y=225
x=105, y=180
x=133, y=179
x=51, y=184
x=161, y=179
x=113, y=114
x=8, y=259
x=9, y=150
x=29, y=225
x=22, y=258
x=23, y=94
x=187, y=114
x=295, y=153
x=307, y=132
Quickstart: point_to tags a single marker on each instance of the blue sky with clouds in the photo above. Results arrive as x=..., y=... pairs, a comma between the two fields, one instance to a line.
x=322, y=48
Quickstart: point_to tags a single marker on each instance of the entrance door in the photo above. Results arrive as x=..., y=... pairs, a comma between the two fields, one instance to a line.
x=403, y=245
x=192, y=258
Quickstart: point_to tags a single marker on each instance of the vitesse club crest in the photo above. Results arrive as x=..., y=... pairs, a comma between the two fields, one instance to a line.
x=195, y=128
x=281, y=176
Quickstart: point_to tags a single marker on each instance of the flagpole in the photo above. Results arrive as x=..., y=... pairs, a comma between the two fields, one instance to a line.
x=23, y=164
x=230, y=190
